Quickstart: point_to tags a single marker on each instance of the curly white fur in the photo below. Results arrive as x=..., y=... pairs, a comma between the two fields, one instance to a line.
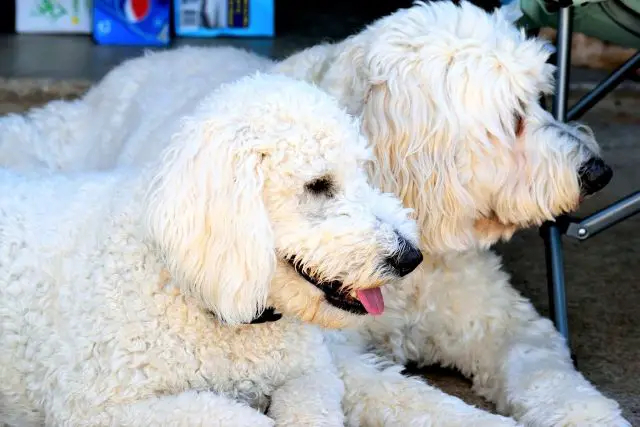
x=122, y=293
x=448, y=97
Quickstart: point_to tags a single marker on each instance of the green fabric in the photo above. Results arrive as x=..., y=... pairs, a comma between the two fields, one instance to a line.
x=615, y=21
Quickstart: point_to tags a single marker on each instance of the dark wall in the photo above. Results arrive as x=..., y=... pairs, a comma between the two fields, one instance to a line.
x=7, y=16
x=338, y=19
x=331, y=19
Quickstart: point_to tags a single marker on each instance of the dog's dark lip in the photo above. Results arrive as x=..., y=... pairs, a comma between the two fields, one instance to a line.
x=332, y=290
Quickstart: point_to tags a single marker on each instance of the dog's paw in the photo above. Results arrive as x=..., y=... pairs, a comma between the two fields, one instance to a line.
x=498, y=421
x=311, y=420
x=302, y=417
x=620, y=422
x=242, y=416
x=586, y=412
x=476, y=418
x=254, y=419
x=491, y=420
x=580, y=421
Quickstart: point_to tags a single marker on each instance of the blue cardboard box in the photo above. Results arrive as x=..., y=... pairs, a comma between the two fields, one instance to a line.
x=216, y=18
x=132, y=22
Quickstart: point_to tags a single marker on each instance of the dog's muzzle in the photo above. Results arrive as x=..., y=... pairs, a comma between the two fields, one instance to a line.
x=407, y=259
x=594, y=176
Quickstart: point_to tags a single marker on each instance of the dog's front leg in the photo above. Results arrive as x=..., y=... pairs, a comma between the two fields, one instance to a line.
x=378, y=394
x=474, y=319
x=313, y=399
x=187, y=409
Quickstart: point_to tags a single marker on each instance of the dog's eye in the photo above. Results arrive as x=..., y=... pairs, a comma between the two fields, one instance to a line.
x=320, y=187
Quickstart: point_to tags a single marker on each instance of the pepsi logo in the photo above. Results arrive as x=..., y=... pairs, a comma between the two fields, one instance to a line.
x=136, y=10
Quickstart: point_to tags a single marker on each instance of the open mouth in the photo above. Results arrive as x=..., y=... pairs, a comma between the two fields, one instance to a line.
x=361, y=302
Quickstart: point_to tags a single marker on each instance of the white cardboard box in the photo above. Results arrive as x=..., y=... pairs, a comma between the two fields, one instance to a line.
x=54, y=16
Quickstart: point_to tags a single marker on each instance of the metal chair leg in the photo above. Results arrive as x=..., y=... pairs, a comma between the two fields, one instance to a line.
x=597, y=222
x=554, y=259
x=550, y=231
x=613, y=80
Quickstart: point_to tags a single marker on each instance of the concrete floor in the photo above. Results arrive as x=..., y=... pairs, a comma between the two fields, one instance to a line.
x=78, y=57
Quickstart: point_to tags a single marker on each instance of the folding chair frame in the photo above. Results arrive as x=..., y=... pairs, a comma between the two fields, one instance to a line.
x=580, y=229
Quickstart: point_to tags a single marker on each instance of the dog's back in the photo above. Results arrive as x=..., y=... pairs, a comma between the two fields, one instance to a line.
x=44, y=231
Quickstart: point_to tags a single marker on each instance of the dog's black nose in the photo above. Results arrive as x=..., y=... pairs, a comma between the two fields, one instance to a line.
x=594, y=176
x=406, y=260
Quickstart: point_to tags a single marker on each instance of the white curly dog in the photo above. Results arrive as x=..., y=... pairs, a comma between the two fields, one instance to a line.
x=123, y=293
x=448, y=97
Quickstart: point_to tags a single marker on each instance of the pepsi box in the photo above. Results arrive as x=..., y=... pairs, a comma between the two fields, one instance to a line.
x=224, y=18
x=132, y=22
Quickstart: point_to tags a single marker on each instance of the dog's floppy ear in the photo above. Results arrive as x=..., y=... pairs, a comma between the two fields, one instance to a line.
x=206, y=213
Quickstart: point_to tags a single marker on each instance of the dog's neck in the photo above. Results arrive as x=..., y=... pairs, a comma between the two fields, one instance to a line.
x=267, y=316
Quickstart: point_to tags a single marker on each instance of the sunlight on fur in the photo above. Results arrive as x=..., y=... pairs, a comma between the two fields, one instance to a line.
x=448, y=98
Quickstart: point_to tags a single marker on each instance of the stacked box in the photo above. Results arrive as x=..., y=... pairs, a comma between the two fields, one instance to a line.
x=214, y=18
x=132, y=22
x=53, y=16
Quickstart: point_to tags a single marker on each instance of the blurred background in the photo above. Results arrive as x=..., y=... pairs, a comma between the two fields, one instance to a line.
x=83, y=39
x=53, y=49
x=50, y=46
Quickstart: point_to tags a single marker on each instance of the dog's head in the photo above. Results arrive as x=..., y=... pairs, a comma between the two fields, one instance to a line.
x=452, y=108
x=262, y=198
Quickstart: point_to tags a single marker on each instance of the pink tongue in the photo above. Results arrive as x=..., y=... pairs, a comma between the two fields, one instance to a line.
x=372, y=300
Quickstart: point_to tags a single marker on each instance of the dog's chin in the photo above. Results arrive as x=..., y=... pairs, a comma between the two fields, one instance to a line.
x=334, y=293
x=491, y=228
